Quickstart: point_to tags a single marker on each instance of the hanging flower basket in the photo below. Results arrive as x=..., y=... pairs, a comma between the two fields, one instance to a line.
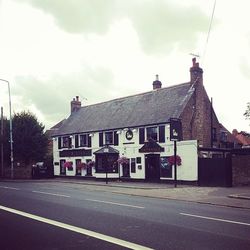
x=91, y=164
x=81, y=165
x=123, y=160
x=68, y=165
x=171, y=160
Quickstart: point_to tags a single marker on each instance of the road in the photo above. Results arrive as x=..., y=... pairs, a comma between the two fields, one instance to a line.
x=50, y=215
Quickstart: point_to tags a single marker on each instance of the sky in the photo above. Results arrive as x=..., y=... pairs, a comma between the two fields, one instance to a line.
x=52, y=51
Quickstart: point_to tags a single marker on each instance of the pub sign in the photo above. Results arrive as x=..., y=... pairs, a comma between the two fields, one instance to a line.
x=175, y=129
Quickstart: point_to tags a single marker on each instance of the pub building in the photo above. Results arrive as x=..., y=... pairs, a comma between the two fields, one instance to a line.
x=129, y=137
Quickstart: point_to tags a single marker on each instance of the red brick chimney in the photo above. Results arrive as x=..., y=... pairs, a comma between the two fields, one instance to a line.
x=196, y=73
x=75, y=104
x=157, y=84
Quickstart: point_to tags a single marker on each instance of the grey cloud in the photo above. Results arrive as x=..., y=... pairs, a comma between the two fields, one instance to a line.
x=161, y=25
x=78, y=15
x=52, y=97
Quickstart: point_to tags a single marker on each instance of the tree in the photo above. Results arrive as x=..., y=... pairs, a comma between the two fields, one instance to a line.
x=29, y=141
x=5, y=142
x=247, y=113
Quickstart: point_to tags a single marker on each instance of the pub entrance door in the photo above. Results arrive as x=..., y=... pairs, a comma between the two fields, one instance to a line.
x=152, y=167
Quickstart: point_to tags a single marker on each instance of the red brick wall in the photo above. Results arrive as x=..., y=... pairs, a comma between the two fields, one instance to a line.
x=19, y=172
x=196, y=117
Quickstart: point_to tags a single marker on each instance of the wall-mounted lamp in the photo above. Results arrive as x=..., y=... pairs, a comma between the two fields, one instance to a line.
x=118, y=132
x=91, y=135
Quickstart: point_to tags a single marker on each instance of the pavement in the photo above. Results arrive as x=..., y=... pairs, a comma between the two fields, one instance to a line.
x=237, y=197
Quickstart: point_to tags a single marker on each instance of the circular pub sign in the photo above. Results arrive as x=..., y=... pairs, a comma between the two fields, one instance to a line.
x=129, y=135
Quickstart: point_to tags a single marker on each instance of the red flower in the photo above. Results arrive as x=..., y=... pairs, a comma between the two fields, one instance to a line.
x=81, y=165
x=91, y=164
x=171, y=160
x=68, y=164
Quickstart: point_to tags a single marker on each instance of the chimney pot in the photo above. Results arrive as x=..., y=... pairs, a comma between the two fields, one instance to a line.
x=75, y=104
x=157, y=84
x=196, y=73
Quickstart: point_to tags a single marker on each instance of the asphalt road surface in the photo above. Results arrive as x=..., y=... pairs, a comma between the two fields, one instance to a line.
x=50, y=215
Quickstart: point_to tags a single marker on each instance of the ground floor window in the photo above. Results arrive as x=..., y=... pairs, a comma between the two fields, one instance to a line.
x=106, y=163
x=89, y=168
x=62, y=167
x=166, y=169
x=78, y=167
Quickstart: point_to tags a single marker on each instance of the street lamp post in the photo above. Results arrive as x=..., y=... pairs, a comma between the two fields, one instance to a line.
x=11, y=138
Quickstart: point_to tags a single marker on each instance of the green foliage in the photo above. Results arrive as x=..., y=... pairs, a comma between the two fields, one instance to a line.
x=247, y=113
x=5, y=141
x=29, y=140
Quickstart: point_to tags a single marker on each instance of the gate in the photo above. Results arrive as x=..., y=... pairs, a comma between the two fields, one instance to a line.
x=216, y=170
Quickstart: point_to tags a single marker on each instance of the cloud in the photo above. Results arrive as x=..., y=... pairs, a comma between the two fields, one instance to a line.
x=160, y=27
x=79, y=15
x=51, y=97
x=163, y=26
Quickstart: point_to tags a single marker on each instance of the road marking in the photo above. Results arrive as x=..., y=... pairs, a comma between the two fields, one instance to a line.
x=60, y=195
x=83, y=231
x=10, y=188
x=216, y=219
x=114, y=203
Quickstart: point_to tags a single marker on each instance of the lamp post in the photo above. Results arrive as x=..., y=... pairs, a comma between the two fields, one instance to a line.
x=11, y=138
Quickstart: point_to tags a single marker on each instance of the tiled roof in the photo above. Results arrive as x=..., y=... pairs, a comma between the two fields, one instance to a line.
x=243, y=138
x=50, y=132
x=153, y=107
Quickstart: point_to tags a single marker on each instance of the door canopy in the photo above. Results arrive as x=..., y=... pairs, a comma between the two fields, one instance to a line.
x=106, y=150
x=151, y=146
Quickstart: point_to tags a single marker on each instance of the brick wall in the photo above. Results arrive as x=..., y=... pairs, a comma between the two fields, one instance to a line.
x=241, y=170
x=19, y=172
x=196, y=117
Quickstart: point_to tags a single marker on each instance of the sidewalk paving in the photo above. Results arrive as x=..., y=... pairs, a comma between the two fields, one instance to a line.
x=238, y=197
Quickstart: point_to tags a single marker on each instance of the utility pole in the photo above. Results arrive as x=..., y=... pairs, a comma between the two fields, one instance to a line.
x=11, y=136
x=211, y=124
x=2, y=174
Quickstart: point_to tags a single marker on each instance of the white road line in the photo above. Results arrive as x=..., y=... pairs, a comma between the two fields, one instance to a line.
x=93, y=234
x=60, y=195
x=10, y=188
x=216, y=219
x=114, y=203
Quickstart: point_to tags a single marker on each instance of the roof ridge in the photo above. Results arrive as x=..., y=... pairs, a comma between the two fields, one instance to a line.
x=143, y=93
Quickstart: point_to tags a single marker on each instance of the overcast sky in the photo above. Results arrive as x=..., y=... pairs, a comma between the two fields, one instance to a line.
x=53, y=50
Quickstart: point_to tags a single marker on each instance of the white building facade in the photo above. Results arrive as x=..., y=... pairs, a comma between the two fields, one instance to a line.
x=73, y=153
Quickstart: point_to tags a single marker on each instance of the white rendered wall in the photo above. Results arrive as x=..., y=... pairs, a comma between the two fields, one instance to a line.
x=187, y=150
